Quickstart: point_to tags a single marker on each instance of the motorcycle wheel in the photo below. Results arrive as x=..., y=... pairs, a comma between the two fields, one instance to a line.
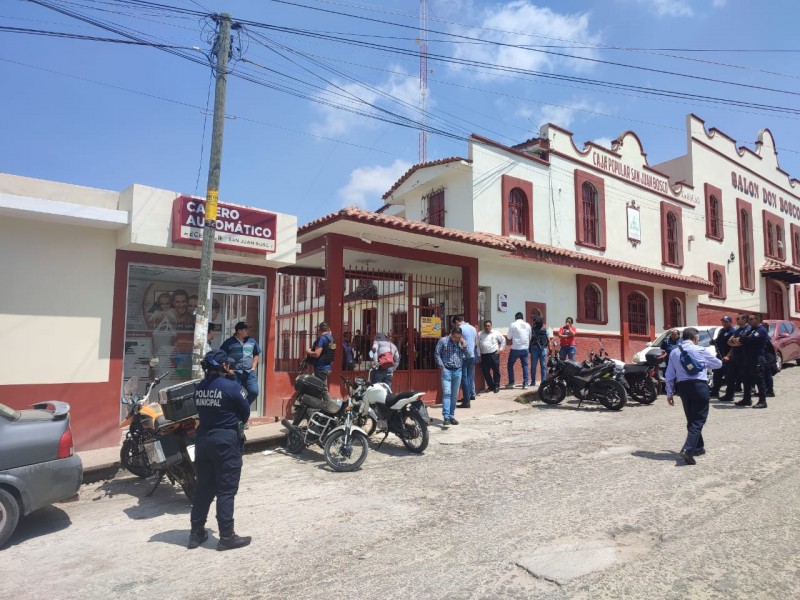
x=184, y=474
x=414, y=431
x=368, y=424
x=646, y=392
x=610, y=394
x=133, y=459
x=339, y=461
x=552, y=391
x=295, y=438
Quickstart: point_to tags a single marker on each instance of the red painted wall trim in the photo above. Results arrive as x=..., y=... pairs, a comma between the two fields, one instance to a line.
x=508, y=183
x=668, y=296
x=744, y=205
x=724, y=288
x=666, y=209
x=711, y=190
x=776, y=221
x=625, y=290
x=795, y=242
x=582, y=177
x=582, y=281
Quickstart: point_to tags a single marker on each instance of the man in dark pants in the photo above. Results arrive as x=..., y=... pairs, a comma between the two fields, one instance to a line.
x=223, y=409
x=491, y=344
x=721, y=344
x=322, y=352
x=691, y=384
x=734, y=358
x=753, y=362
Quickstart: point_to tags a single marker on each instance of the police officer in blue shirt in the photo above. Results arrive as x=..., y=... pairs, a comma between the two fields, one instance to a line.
x=734, y=359
x=723, y=349
x=322, y=352
x=752, y=344
x=692, y=387
x=223, y=409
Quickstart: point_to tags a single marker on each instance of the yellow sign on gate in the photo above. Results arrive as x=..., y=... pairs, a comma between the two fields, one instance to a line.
x=430, y=327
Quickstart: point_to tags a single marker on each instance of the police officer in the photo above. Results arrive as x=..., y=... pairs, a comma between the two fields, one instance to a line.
x=735, y=358
x=721, y=343
x=223, y=409
x=692, y=387
x=753, y=362
x=322, y=352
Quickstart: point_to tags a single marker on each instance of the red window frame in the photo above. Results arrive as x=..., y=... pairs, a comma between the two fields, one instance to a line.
x=319, y=287
x=714, y=229
x=582, y=284
x=674, y=301
x=794, y=232
x=582, y=219
x=638, y=313
x=671, y=236
x=797, y=297
x=302, y=289
x=434, y=210
x=591, y=222
x=509, y=183
x=773, y=234
x=517, y=213
x=286, y=291
x=719, y=270
x=744, y=222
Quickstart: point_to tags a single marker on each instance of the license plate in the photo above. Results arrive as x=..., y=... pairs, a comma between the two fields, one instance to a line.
x=190, y=450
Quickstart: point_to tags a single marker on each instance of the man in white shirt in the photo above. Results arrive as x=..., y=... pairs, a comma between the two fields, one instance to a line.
x=491, y=344
x=520, y=335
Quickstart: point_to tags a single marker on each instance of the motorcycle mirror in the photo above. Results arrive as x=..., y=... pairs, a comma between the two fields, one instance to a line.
x=124, y=400
x=154, y=361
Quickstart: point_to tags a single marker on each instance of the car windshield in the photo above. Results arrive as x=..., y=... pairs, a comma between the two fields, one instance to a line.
x=771, y=327
x=704, y=334
x=8, y=413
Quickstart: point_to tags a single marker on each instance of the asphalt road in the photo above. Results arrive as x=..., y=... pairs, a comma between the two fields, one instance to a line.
x=545, y=502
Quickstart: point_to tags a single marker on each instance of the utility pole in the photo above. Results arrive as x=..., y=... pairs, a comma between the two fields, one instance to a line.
x=223, y=47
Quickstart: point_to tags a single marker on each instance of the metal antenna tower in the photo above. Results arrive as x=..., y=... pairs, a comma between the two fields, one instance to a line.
x=423, y=80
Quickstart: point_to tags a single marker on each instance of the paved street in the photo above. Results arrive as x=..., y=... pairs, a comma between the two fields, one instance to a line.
x=544, y=502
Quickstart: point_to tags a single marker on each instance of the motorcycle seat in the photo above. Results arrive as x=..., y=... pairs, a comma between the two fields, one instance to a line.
x=636, y=368
x=392, y=399
x=592, y=369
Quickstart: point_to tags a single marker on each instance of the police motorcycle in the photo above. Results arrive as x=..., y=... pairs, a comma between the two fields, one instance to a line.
x=328, y=422
x=595, y=383
x=640, y=381
x=159, y=441
x=402, y=414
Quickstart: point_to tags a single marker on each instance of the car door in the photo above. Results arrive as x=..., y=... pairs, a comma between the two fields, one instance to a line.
x=792, y=342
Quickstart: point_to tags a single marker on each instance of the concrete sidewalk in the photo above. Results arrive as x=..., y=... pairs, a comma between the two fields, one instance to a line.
x=104, y=463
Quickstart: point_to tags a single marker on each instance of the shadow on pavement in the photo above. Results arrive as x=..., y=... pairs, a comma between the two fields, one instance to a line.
x=665, y=456
x=167, y=498
x=176, y=537
x=40, y=522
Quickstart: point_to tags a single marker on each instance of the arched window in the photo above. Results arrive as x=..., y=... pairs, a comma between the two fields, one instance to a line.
x=673, y=237
x=592, y=303
x=591, y=212
x=637, y=314
x=747, y=249
x=796, y=247
x=781, y=245
x=675, y=313
x=286, y=291
x=714, y=222
x=716, y=279
x=518, y=213
x=770, y=239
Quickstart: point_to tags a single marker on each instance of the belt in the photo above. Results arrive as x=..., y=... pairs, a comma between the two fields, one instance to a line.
x=452, y=368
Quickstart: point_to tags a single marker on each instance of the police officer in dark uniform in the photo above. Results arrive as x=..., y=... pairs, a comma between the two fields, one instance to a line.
x=735, y=358
x=721, y=343
x=753, y=362
x=223, y=409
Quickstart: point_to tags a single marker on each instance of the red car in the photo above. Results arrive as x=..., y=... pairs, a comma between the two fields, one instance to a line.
x=786, y=339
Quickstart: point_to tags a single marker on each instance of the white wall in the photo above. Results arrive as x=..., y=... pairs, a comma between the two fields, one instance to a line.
x=55, y=314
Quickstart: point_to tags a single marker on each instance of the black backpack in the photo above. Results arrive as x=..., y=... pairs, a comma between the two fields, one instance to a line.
x=539, y=339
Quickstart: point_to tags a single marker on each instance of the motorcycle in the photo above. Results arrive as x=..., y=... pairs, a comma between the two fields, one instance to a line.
x=640, y=381
x=328, y=422
x=155, y=445
x=402, y=414
x=592, y=383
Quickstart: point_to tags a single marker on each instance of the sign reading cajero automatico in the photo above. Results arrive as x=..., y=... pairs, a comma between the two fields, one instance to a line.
x=237, y=228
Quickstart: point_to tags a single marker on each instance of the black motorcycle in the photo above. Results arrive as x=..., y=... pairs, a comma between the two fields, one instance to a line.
x=594, y=383
x=640, y=381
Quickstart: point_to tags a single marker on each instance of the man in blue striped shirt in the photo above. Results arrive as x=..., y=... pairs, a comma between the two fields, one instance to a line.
x=450, y=354
x=692, y=386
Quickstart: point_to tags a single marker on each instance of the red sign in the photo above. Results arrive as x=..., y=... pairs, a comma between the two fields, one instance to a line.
x=237, y=228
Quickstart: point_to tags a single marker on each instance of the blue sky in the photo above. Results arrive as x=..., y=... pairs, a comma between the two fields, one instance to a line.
x=109, y=115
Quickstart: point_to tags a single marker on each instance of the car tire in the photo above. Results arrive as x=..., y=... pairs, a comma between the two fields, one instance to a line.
x=9, y=515
x=778, y=362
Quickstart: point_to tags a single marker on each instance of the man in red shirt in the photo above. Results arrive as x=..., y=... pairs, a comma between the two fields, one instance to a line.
x=567, y=335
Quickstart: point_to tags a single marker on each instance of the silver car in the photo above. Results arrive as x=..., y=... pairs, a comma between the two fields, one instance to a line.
x=38, y=464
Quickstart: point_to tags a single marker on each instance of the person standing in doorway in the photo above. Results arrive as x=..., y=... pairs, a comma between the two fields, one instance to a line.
x=520, y=335
x=386, y=359
x=540, y=340
x=692, y=387
x=246, y=352
x=567, y=336
x=223, y=410
x=321, y=353
x=491, y=344
x=470, y=336
x=449, y=354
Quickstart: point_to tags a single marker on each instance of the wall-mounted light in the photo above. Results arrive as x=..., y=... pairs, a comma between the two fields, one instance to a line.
x=690, y=238
x=731, y=258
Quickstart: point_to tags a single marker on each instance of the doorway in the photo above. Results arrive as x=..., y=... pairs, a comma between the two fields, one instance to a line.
x=775, y=300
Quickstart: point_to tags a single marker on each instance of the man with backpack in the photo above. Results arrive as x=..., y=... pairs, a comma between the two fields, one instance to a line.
x=322, y=352
x=386, y=360
x=540, y=339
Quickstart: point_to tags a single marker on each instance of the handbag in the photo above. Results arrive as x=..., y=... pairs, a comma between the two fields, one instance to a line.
x=386, y=360
x=689, y=363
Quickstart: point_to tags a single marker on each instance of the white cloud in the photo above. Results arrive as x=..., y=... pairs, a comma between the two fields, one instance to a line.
x=367, y=183
x=512, y=24
x=671, y=8
x=604, y=142
x=719, y=3
x=403, y=97
x=564, y=115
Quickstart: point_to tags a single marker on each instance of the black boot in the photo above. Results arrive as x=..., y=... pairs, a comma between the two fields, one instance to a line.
x=197, y=537
x=228, y=540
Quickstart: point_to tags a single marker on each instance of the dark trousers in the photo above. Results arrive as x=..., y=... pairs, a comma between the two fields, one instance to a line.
x=249, y=381
x=720, y=377
x=753, y=374
x=490, y=367
x=218, y=462
x=694, y=396
x=733, y=375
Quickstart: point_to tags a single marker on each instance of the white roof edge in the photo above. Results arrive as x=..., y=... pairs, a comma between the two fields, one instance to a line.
x=62, y=212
